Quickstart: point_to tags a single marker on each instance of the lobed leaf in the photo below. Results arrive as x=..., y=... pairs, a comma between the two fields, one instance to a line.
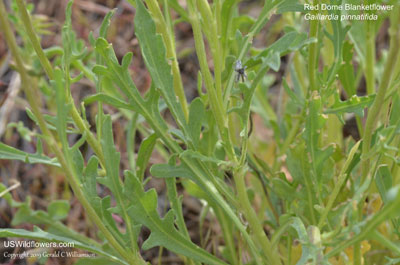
x=163, y=231
x=355, y=105
x=154, y=55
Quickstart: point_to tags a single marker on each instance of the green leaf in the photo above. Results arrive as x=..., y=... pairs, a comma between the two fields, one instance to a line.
x=242, y=23
x=148, y=108
x=163, y=231
x=25, y=214
x=228, y=7
x=392, y=261
x=108, y=220
x=144, y=154
x=196, y=117
x=199, y=156
x=296, y=98
x=62, y=107
x=117, y=74
x=10, y=153
x=40, y=235
x=339, y=34
x=314, y=123
x=310, y=240
x=212, y=185
x=59, y=209
x=106, y=24
x=274, y=61
x=338, y=39
x=322, y=161
x=154, y=55
x=290, y=6
x=346, y=71
x=355, y=105
x=114, y=183
x=112, y=158
x=283, y=189
x=296, y=164
x=383, y=180
x=22, y=130
x=102, y=97
x=51, y=121
x=89, y=184
x=394, y=116
x=291, y=41
x=150, y=111
x=176, y=205
x=126, y=60
x=171, y=171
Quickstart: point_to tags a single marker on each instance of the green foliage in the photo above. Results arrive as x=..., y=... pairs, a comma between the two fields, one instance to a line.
x=299, y=182
x=163, y=232
x=10, y=153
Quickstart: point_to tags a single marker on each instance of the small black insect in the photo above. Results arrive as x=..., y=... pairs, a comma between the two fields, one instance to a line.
x=240, y=71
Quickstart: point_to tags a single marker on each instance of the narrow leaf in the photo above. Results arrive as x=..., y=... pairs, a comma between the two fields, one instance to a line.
x=144, y=154
x=154, y=55
x=10, y=153
x=383, y=180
